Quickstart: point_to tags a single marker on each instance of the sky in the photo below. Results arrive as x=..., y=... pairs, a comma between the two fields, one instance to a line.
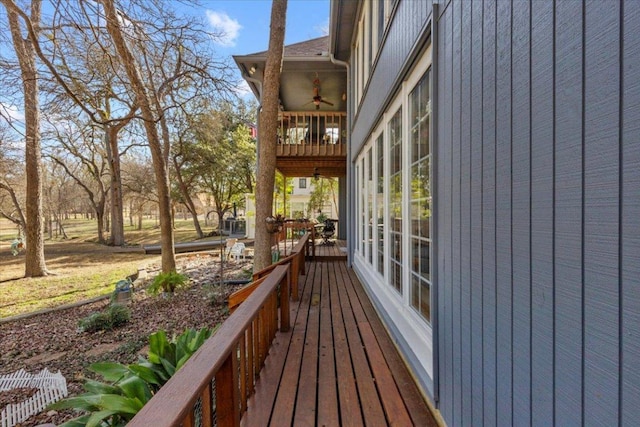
x=245, y=23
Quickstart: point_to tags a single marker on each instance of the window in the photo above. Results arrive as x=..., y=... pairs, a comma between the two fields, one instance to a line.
x=363, y=215
x=302, y=183
x=420, y=197
x=394, y=200
x=380, y=202
x=369, y=196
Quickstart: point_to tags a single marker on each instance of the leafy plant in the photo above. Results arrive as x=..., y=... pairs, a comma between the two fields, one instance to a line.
x=167, y=282
x=127, y=388
x=115, y=315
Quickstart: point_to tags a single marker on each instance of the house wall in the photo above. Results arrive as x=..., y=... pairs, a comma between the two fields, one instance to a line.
x=538, y=190
x=406, y=31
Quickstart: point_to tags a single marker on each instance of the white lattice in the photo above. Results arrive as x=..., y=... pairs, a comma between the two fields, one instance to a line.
x=51, y=388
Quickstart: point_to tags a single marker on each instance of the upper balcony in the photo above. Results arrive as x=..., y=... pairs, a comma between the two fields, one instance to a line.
x=310, y=142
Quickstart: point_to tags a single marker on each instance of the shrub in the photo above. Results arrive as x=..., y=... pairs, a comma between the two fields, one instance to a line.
x=113, y=316
x=118, y=315
x=167, y=282
x=128, y=387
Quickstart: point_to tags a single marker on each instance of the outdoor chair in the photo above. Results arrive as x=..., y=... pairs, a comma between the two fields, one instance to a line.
x=229, y=246
x=328, y=231
x=237, y=251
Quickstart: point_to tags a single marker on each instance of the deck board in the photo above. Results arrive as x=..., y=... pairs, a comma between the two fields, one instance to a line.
x=337, y=365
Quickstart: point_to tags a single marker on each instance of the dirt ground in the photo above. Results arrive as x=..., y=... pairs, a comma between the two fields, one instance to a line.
x=53, y=340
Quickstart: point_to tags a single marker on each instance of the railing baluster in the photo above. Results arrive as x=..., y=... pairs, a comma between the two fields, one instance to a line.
x=189, y=419
x=243, y=374
x=251, y=358
x=284, y=303
x=227, y=399
x=207, y=410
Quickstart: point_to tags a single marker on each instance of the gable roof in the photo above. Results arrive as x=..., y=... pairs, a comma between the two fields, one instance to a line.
x=308, y=48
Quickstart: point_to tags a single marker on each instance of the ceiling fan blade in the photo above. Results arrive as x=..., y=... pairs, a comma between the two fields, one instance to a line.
x=327, y=102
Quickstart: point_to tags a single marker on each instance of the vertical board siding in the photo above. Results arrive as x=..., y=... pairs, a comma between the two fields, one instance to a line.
x=601, y=198
x=489, y=214
x=464, y=182
x=568, y=205
x=477, y=385
x=504, y=353
x=455, y=210
x=542, y=250
x=521, y=211
x=444, y=201
x=539, y=212
x=630, y=244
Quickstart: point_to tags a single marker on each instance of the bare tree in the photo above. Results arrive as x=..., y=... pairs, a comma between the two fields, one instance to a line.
x=267, y=133
x=73, y=48
x=80, y=150
x=35, y=265
x=12, y=182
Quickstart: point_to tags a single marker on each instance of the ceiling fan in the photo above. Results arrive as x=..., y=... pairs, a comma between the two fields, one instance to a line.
x=317, y=98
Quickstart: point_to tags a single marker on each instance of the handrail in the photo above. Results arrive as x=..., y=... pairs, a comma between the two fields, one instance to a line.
x=232, y=358
x=297, y=261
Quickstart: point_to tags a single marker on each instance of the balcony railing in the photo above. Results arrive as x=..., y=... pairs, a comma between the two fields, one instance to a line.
x=312, y=134
x=213, y=387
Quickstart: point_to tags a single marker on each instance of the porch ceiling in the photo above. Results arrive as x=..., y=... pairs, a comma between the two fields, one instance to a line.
x=327, y=167
x=303, y=62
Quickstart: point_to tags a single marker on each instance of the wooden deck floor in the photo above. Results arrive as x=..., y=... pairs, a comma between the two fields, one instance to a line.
x=335, y=251
x=336, y=366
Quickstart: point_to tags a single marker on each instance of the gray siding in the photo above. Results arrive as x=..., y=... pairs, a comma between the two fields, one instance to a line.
x=538, y=188
x=404, y=32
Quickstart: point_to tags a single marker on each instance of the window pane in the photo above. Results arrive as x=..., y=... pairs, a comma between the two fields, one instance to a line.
x=380, y=203
x=420, y=110
x=395, y=198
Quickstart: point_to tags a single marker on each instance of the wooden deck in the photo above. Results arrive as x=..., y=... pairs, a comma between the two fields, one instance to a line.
x=336, y=366
x=331, y=252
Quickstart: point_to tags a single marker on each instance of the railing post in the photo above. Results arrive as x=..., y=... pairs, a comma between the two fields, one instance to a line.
x=227, y=393
x=293, y=272
x=303, y=260
x=285, y=323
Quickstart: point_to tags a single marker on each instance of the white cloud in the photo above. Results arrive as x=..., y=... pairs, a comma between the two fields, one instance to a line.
x=11, y=112
x=227, y=28
x=243, y=90
x=323, y=28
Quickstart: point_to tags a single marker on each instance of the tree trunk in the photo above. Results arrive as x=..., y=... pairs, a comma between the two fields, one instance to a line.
x=99, y=208
x=188, y=201
x=116, y=238
x=34, y=258
x=267, y=133
x=159, y=156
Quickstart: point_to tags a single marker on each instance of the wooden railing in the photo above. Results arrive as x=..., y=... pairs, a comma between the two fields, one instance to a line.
x=213, y=387
x=312, y=134
x=296, y=261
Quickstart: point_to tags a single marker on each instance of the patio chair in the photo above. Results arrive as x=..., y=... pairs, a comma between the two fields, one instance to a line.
x=237, y=251
x=229, y=246
x=328, y=231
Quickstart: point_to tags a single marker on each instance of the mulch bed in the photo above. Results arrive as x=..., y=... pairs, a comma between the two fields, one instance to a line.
x=53, y=340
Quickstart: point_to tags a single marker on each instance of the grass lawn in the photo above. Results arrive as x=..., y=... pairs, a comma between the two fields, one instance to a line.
x=81, y=268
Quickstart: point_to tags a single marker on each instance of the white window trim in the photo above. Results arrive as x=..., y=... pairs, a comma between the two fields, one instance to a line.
x=415, y=329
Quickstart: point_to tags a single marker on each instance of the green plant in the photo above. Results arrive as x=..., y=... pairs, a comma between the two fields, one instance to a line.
x=118, y=314
x=127, y=388
x=167, y=282
x=113, y=316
